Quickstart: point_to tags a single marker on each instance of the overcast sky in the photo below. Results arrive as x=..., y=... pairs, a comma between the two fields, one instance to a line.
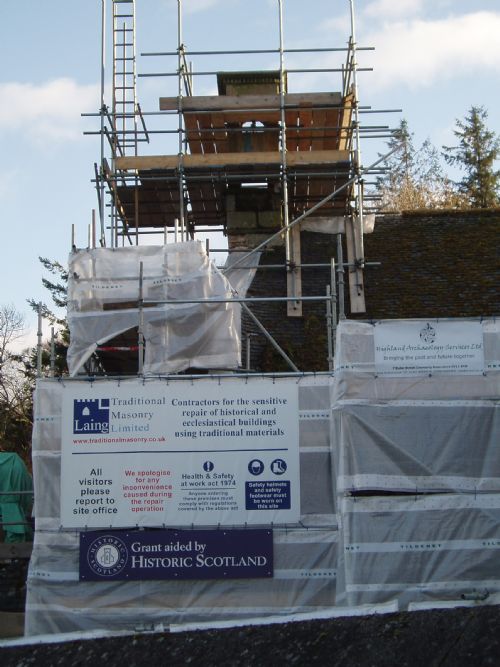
x=433, y=58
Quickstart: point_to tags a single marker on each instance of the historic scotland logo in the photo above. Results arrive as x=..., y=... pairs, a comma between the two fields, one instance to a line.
x=107, y=555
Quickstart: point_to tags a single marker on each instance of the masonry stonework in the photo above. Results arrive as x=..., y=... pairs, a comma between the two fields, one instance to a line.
x=432, y=264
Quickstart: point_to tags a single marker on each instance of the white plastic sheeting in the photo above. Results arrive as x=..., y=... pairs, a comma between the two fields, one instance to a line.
x=421, y=547
x=423, y=446
x=305, y=555
x=103, y=292
x=245, y=268
x=435, y=439
x=355, y=349
x=400, y=506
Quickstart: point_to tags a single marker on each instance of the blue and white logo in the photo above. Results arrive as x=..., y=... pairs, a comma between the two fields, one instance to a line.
x=91, y=415
x=107, y=555
x=256, y=467
x=278, y=466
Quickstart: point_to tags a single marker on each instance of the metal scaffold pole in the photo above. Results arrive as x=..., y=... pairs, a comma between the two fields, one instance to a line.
x=180, y=65
x=295, y=307
x=102, y=114
x=140, y=327
x=306, y=162
x=340, y=273
x=357, y=138
x=39, y=345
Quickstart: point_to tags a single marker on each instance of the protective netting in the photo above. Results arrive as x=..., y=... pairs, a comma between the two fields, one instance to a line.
x=417, y=465
x=305, y=555
x=103, y=297
x=400, y=504
x=420, y=548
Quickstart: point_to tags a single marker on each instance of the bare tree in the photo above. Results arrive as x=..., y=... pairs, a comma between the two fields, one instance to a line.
x=11, y=329
x=15, y=394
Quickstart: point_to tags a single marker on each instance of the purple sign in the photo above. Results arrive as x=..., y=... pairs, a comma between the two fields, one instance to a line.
x=272, y=495
x=176, y=554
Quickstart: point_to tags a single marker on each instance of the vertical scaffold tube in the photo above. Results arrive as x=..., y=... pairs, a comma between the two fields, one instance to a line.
x=39, y=342
x=102, y=111
x=179, y=108
x=357, y=146
x=52, y=352
x=333, y=283
x=284, y=181
x=340, y=272
x=140, y=331
x=329, y=323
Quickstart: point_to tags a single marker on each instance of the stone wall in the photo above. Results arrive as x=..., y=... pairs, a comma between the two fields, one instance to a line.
x=433, y=264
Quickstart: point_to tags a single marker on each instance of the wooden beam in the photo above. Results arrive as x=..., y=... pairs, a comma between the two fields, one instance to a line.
x=294, y=277
x=227, y=102
x=345, y=116
x=294, y=158
x=356, y=282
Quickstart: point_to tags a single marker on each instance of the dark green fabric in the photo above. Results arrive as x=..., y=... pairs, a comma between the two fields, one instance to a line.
x=15, y=503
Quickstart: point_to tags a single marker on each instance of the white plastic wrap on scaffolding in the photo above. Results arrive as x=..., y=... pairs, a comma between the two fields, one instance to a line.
x=103, y=294
x=431, y=434
x=421, y=548
x=245, y=268
x=305, y=556
x=359, y=378
x=419, y=446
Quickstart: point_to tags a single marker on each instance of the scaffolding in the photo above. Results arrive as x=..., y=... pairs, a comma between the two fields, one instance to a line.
x=380, y=445
x=256, y=163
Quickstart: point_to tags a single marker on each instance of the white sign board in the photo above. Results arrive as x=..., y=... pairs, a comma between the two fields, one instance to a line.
x=182, y=453
x=428, y=347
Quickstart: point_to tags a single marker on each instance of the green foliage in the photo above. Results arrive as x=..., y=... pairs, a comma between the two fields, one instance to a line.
x=477, y=151
x=58, y=293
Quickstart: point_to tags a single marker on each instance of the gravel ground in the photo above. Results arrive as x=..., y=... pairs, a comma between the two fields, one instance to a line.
x=451, y=638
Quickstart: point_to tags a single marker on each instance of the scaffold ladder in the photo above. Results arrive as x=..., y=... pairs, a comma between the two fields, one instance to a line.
x=125, y=110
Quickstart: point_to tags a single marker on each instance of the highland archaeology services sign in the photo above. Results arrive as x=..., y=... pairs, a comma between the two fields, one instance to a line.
x=183, y=453
x=171, y=554
x=428, y=347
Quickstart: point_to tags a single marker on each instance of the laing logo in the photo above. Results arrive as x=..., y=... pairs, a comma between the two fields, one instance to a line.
x=91, y=415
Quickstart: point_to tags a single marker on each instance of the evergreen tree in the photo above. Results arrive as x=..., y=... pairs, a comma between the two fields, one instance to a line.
x=58, y=293
x=57, y=289
x=414, y=178
x=478, y=149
